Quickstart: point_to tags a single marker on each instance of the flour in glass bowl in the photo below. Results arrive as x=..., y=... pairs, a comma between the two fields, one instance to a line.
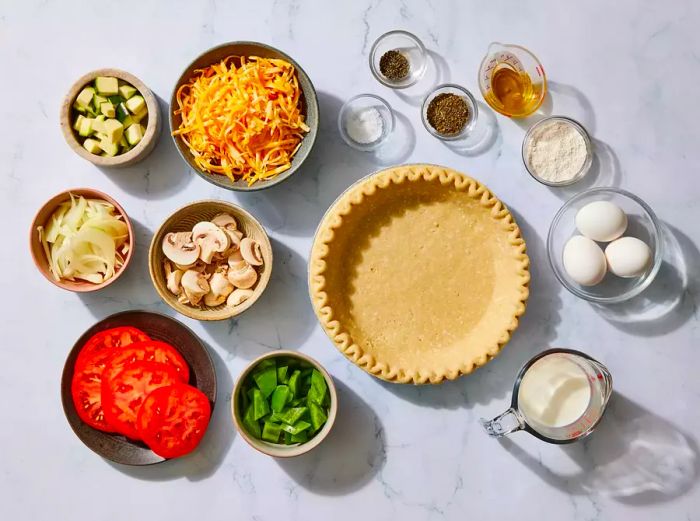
x=555, y=151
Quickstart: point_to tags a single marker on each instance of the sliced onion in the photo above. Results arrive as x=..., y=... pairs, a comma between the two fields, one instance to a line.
x=85, y=239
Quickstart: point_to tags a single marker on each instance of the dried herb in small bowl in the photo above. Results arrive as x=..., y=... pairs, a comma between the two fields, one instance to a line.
x=448, y=113
x=394, y=65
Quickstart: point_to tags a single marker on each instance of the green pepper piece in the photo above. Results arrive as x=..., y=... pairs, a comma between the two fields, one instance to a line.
x=260, y=406
x=302, y=437
x=287, y=438
x=318, y=387
x=292, y=415
x=299, y=426
x=282, y=374
x=250, y=423
x=293, y=383
x=266, y=380
x=264, y=364
x=279, y=398
x=296, y=402
x=318, y=415
x=306, y=371
x=271, y=432
x=249, y=393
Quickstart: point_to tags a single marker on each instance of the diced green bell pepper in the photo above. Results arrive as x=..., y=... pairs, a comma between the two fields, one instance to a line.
x=317, y=414
x=291, y=415
x=279, y=398
x=271, y=432
x=298, y=427
x=266, y=380
x=282, y=374
x=260, y=405
x=302, y=437
x=318, y=387
x=294, y=382
x=250, y=423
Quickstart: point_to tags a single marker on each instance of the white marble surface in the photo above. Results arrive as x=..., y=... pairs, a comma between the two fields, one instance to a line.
x=629, y=71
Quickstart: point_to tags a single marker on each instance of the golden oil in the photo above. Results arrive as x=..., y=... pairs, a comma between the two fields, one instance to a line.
x=512, y=92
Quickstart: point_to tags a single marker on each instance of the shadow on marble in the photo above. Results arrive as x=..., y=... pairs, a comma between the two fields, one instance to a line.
x=537, y=329
x=574, y=104
x=296, y=206
x=605, y=171
x=671, y=299
x=634, y=456
x=208, y=457
x=400, y=144
x=162, y=174
x=352, y=454
x=281, y=319
x=437, y=72
x=482, y=139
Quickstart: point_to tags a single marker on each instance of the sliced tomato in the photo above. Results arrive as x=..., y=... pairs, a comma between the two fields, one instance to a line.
x=109, y=339
x=150, y=351
x=172, y=420
x=86, y=390
x=123, y=395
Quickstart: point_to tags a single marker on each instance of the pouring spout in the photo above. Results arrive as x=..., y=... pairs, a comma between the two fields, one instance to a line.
x=509, y=421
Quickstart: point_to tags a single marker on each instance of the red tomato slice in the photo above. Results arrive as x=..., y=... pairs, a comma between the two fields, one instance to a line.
x=123, y=395
x=111, y=338
x=86, y=390
x=150, y=351
x=172, y=420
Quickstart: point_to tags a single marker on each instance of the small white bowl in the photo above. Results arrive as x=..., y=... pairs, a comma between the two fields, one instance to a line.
x=356, y=105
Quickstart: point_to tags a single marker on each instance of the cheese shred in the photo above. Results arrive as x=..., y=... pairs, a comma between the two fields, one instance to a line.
x=242, y=117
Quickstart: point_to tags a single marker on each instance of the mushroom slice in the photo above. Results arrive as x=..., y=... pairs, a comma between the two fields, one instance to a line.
x=226, y=221
x=210, y=238
x=179, y=248
x=243, y=278
x=173, y=278
x=235, y=259
x=238, y=296
x=195, y=286
x=251, y=252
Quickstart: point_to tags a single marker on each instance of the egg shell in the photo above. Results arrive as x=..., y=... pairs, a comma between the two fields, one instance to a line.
x=601, y=221
x=628, y=257
x=584, y=261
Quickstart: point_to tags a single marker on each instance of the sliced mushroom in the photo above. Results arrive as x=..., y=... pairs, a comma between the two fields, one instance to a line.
x=251, y=252
x=219, y=289
x=238, y=296
x=180, y=248
x=235, y=259
x=244, y=277
x=195, y=286
x=173, y=277
x=210, y=238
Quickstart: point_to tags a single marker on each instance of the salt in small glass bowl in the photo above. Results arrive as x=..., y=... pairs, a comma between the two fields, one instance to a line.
x=586, y=164
x=451, y=88
x=407, y=44
x=360, y=103
x=642, y=224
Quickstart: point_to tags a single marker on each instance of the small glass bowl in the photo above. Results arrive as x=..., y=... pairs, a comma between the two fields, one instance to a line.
x=642, y=224
x=451, y=88
x=589, y=151
x=407, y=44
x=360, y=103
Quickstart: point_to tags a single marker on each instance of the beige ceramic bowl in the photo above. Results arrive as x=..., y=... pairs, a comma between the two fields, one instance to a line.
x=184, y=220
x=40, y=260
x=134, y=155
x=274, y=449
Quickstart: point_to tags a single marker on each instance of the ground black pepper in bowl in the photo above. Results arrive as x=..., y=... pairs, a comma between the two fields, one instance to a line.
x=394, y=65
x=448, y=113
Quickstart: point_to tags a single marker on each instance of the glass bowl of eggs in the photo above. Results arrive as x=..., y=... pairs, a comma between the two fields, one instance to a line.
x=604, y=245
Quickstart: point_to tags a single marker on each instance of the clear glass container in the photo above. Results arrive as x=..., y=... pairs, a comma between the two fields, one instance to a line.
x=642, y=224
x=407, y=44
x=357, y=107
x=451, y=88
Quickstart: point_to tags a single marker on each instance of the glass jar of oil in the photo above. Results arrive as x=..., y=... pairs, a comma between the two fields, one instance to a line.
x=512, y=80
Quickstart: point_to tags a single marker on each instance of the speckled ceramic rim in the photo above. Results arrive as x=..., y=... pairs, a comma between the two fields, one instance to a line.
x=658, y=247
x=375, y=144
x=136, y=154
x=274, y=449
x=39, y=258
x=420, y=72
x=473, y=112
x=312, y=116
x=586, y=138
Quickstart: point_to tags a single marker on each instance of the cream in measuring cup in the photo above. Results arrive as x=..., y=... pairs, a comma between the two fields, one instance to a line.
x=559, y=396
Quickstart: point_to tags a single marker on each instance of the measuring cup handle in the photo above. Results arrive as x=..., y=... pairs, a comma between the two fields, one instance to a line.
x=509, y=421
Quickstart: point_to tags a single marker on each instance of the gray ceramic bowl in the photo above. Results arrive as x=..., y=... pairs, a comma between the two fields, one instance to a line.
x=309, y=108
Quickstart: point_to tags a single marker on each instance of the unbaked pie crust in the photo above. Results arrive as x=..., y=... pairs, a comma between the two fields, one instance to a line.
x=418, y=274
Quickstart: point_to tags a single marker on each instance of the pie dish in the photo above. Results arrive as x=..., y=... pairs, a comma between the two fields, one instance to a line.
x=418, y=274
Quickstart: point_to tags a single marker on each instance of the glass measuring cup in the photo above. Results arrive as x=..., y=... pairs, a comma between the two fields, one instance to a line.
x=512, y=80
x=590, y=376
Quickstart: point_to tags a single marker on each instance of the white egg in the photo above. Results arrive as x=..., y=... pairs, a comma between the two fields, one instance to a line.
x=601, y=221
x=628, y=257
x=584, y=261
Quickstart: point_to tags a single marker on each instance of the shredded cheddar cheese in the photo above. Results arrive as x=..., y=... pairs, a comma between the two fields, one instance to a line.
x=245, y=120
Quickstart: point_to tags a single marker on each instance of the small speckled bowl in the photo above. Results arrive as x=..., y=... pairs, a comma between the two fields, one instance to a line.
x=136, y=154
x=277, y=450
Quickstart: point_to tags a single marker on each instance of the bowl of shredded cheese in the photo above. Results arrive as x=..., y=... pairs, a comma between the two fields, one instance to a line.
x=244, y=116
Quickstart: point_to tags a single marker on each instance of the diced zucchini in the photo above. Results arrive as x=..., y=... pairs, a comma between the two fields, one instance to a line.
x=86, y=127
x=136, y=104
x=110, y=148
x=98, y=124
x=107, y=85
x=122, y=112
x=79, y=108
x=92, y=146
x=107, y=109
x=78, y=122
x=136, y=118
x=128, y=121
x=123, y=142
x=134, y=134
x=126, y=91
x=98, y=100
x=113, y=129
x=85, y=97
x=115, y=100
